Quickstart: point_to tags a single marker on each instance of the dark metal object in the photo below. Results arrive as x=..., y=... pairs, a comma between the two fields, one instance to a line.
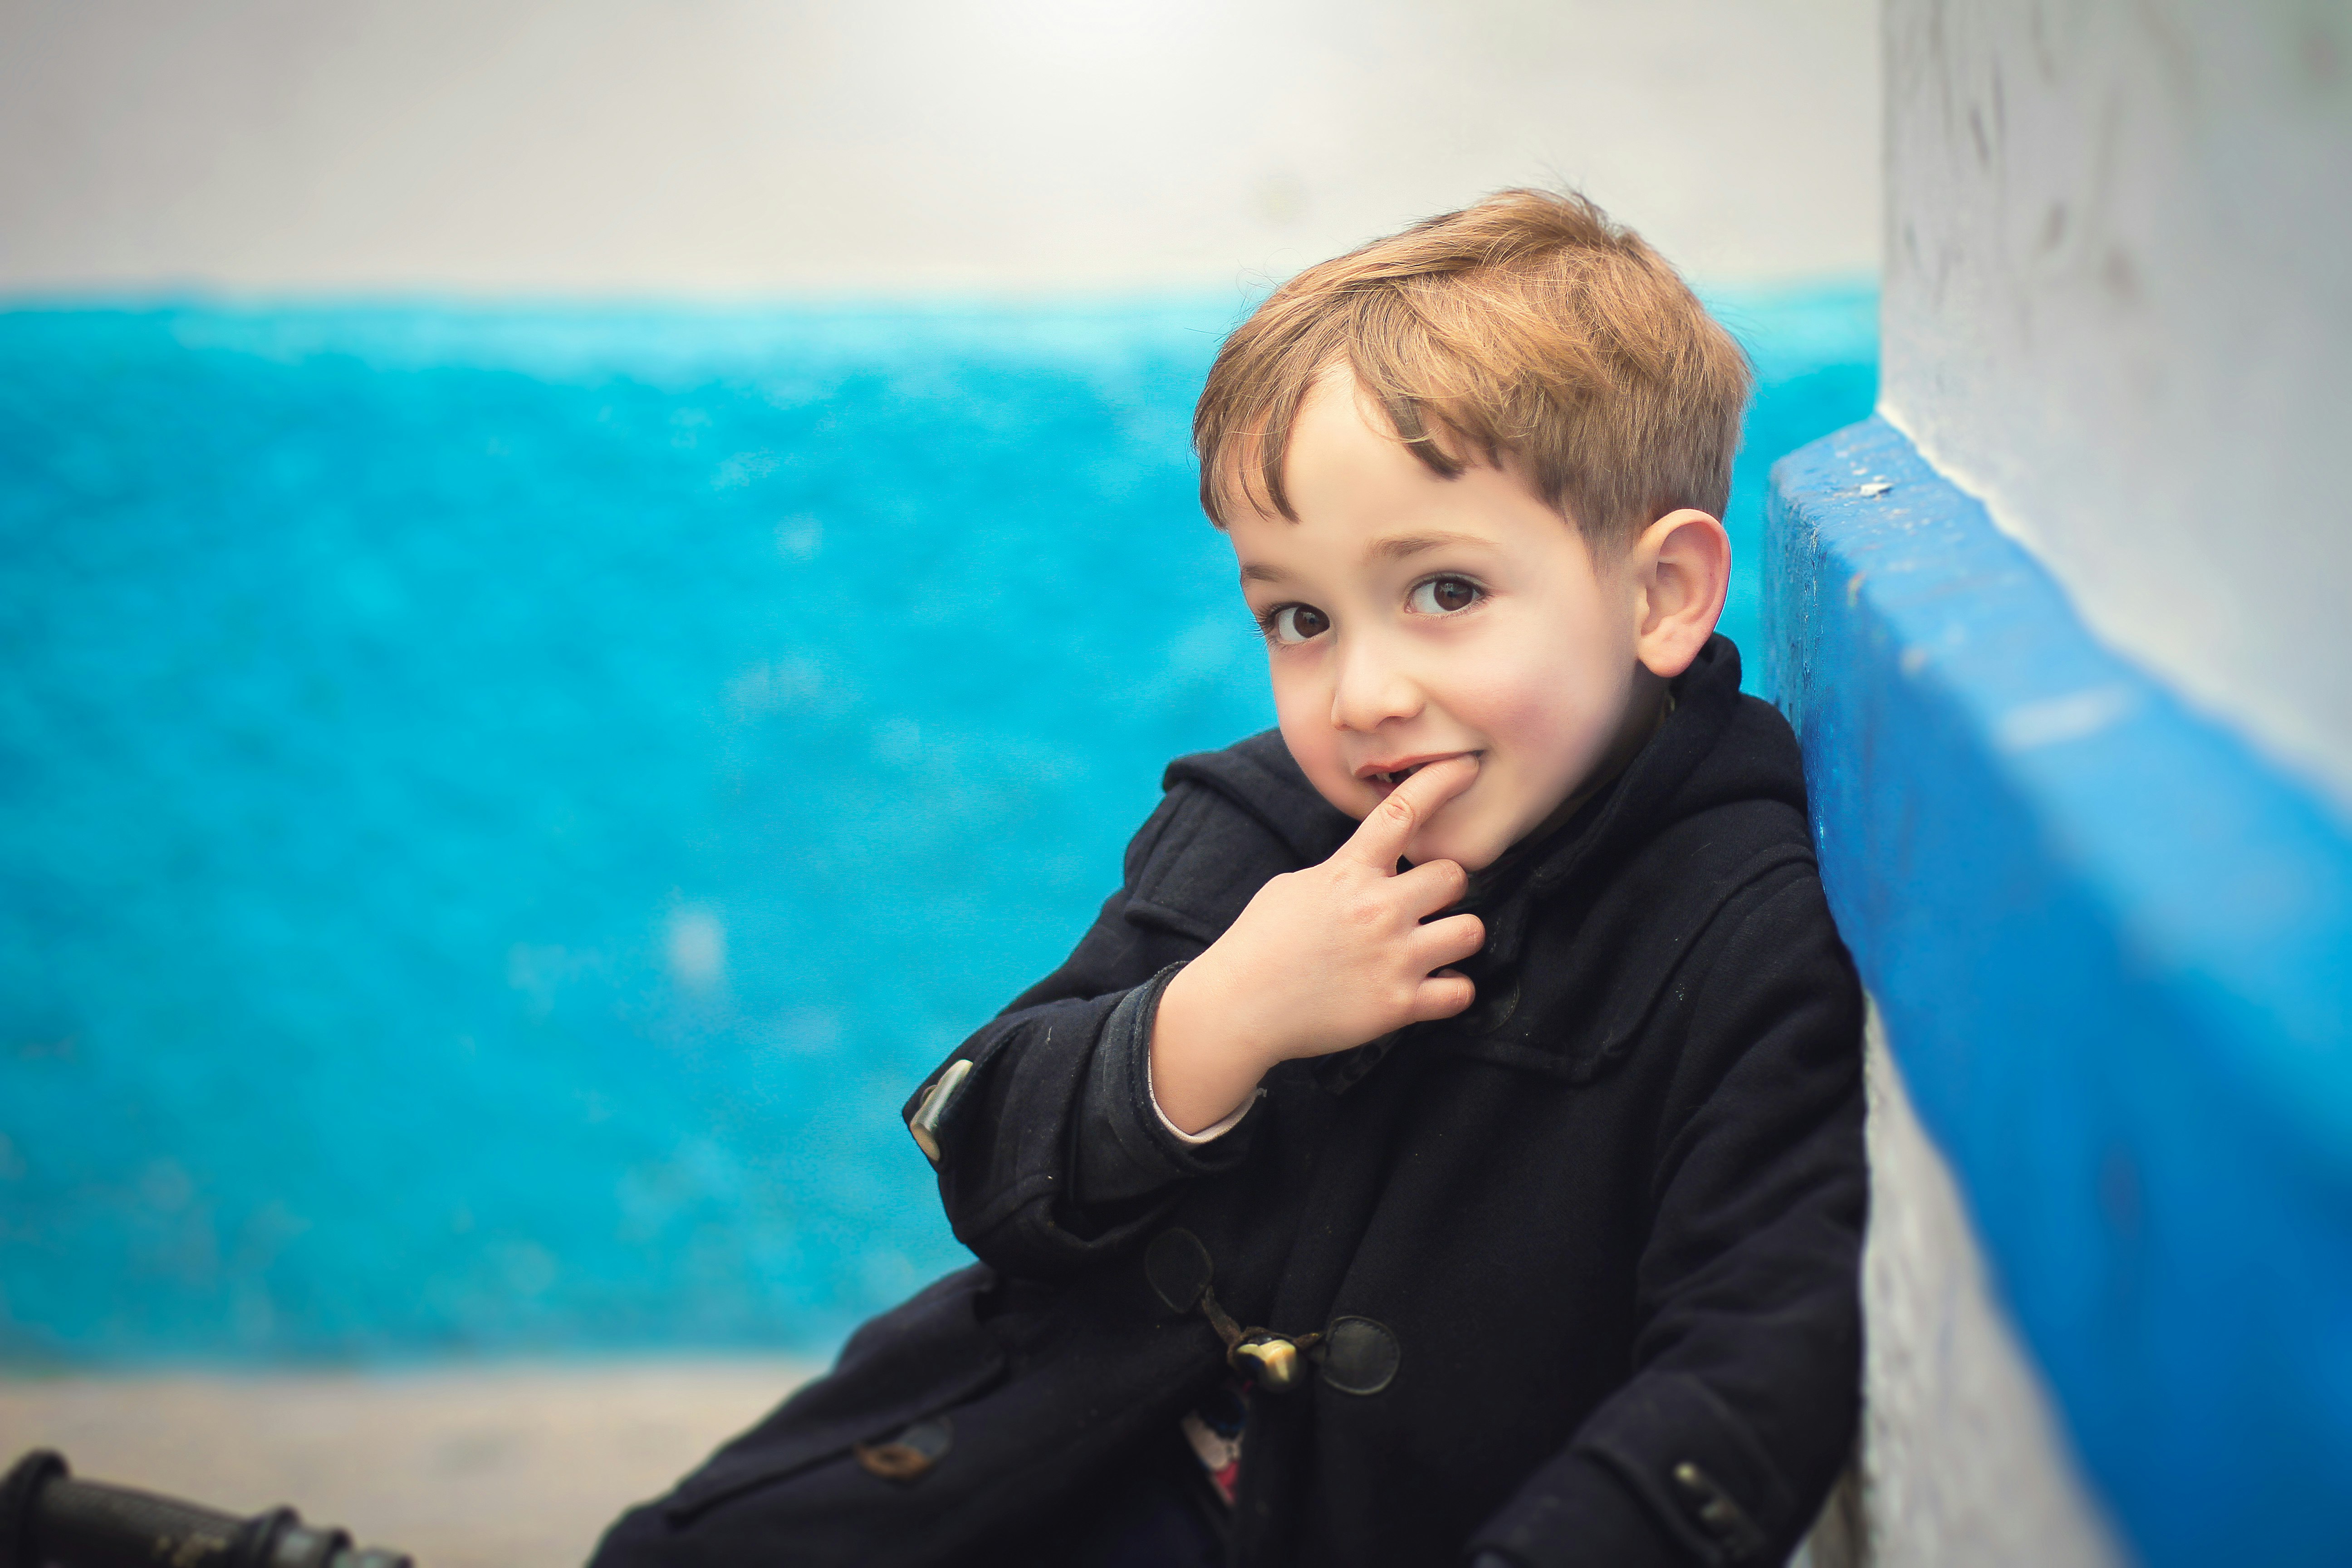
x=48, y=1520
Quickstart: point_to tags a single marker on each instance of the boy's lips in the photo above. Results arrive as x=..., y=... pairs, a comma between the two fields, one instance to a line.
x=1385, y=776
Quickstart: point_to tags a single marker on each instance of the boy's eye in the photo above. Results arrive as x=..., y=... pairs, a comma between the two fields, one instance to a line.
x=1298, y=623
x=1442, y=596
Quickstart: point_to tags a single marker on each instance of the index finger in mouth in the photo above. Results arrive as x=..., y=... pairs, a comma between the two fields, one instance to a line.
x=1409, y=806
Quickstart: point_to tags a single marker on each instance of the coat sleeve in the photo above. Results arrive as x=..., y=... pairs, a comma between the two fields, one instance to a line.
x=1745, y=1394
x=1052, y=1156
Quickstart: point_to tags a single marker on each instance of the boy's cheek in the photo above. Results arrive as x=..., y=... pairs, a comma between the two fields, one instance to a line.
x=1464, y=833
x=1320, y=764
x=1315, y=747
x=1343, y=791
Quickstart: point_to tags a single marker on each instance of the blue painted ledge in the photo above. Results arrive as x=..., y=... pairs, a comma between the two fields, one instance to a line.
x=2114, y=951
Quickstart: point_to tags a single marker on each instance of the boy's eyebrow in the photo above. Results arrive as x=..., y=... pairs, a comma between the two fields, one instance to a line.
x=1404, y=544
x=1395, y=548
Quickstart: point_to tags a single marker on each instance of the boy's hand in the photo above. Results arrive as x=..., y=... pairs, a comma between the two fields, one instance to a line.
x=1321, y=960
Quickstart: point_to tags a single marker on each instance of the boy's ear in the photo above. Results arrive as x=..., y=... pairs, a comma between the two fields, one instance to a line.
x=1680, y=568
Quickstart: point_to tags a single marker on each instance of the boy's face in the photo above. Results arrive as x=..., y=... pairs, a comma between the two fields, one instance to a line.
x=1409, y=617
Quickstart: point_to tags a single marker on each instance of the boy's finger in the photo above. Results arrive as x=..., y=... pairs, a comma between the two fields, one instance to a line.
x=1441, y=996
x=1432, y=886
x=1391, y=826
x=1449, y=941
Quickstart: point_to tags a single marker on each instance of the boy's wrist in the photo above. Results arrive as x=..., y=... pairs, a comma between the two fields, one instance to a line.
x=1204, y=1065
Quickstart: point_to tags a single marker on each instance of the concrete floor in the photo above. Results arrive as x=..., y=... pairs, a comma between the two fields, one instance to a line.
x=506, y=1467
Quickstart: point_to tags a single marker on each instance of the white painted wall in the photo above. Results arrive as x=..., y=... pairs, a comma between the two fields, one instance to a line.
x=2118, y=307
x=1963, y=1463
x=758, y=146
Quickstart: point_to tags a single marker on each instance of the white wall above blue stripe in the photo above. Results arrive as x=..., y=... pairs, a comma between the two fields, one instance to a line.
x=753, y=146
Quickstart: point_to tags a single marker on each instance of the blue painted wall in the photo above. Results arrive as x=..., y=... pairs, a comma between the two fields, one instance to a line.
x=501, y=806
x=2112, y=947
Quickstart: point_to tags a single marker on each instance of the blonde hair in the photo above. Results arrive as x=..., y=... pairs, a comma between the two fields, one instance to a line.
x=1529, y=327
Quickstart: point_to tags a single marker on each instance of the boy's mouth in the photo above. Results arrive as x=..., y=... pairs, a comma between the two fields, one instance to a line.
x=1385, y=779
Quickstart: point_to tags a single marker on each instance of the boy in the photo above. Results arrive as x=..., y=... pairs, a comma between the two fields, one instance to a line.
x=1446, y=1144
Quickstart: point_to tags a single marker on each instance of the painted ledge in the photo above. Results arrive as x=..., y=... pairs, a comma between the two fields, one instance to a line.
x=2112, y=947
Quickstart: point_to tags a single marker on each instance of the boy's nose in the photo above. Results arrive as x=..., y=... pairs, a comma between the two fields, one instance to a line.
x=1371, y=689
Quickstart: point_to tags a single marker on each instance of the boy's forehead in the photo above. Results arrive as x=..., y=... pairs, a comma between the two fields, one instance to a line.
x=1336, y=440
x=1342, y=464
x=1363, y=501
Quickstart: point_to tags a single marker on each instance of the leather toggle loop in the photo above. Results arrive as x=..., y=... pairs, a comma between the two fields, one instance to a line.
x=1360, y=1355
x=1179, y=1269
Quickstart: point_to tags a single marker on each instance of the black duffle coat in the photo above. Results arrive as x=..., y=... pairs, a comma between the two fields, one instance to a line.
x=1583, y=1260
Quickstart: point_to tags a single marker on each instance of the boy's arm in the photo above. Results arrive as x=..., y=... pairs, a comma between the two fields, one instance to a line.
x=1745, y=1388
x=1030, y=1137
x=1061, y=1143
x=1320, y=961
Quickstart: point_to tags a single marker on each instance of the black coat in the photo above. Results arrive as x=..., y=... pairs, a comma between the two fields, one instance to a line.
x=1586, y=1256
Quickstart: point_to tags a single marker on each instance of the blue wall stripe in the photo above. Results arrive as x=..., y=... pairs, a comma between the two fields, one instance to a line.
x=393, y=699
x=2113, y=947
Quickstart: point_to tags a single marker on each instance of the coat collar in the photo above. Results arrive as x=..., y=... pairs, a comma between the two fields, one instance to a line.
x=1259, y=775
x=1655, y=788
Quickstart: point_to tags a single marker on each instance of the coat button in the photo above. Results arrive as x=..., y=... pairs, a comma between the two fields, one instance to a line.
x=924, y=1125
x=1272, y=1360
x=1719, y=1512
x=911, y=1454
